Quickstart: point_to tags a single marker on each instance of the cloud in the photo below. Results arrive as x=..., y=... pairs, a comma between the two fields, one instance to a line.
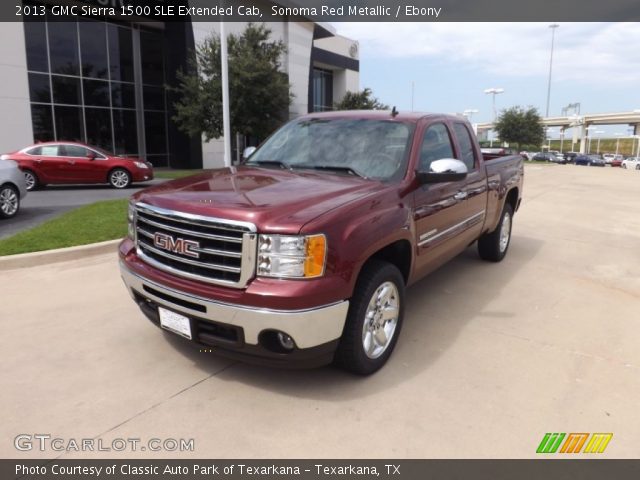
x=588, y=53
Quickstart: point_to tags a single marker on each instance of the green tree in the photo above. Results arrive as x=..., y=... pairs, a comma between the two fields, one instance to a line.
x=363, y=100
x=259, y=93
x=520, y=126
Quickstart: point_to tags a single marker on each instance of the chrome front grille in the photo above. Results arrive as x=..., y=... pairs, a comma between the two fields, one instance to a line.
x=202, y=248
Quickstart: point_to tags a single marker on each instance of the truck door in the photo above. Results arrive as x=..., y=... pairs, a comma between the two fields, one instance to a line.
x=441, y=211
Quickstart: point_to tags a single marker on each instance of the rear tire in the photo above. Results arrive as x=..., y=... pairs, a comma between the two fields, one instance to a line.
x=493, y=246
x=638, y=167
x=31, y=180
x=9, y=201
x=119, y=178
x=374, y=320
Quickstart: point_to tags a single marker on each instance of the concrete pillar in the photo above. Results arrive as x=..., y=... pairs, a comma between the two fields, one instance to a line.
x=583, y=138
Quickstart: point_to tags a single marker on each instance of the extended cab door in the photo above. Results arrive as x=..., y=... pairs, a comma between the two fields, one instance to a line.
x=440, y=210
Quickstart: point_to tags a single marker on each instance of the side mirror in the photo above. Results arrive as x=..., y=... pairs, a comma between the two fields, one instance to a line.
x=248, y=152
x=445, y=170
x=91, y=155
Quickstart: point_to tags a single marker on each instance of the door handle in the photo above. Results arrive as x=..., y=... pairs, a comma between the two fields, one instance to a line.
x=460, y=195
x=71, y=162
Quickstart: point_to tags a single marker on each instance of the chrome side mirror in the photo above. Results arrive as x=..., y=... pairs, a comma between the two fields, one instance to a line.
x=444, y=170
x=248, y=152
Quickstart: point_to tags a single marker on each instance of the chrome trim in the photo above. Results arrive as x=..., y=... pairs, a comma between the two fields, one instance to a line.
x=248, y=242
x=191, y=218
x=428, y=234
x=210, y=236
x=308, y=327
x=454, y=227
x=210, y=266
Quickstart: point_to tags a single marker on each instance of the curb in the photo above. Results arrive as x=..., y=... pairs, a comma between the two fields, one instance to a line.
x=36, y=259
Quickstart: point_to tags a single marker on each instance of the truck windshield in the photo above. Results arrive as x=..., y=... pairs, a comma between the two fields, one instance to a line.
x=376, y=149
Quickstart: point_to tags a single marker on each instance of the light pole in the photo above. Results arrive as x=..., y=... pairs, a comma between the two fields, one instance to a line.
x=598, y=133
x=589, y=135
x=561, y=140
x=553, y=27
x=224, y=69
x=548, y=131
x=618, y=142
x=494, y=91
x=469, y=113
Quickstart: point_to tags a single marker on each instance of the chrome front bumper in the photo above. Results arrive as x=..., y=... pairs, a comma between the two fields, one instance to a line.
x=308, y=328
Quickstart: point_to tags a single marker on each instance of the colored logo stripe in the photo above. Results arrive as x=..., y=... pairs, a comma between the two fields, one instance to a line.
x=574, y=443
x=550, y=443
x=598, y=442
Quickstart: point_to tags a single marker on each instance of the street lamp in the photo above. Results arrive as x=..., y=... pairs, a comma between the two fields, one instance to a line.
x=589, y=135
x=598, y=132
x=553, y=27
x=494, y=92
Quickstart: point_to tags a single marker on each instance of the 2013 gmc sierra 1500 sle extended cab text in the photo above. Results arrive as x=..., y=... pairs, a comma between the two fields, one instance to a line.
x=301, y=255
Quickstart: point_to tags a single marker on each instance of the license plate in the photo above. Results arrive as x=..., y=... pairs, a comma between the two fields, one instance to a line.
x=174, y=322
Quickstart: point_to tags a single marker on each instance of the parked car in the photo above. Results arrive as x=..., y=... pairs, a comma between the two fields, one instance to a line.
x=571, y=156
x=557, y=154
x=548, y=157
x=613, y=159
x=13, y=188
x=71, y=162
x=300, y=256
x=589, y=160
x=631, y=162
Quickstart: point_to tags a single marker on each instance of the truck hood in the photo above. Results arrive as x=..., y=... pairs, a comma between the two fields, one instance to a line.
x=276, y=201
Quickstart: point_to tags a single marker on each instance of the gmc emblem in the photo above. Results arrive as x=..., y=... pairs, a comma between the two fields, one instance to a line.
x=176, y=245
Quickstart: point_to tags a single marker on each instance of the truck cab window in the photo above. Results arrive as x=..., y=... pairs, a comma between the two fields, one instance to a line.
x=436, y=145
x=467, y=155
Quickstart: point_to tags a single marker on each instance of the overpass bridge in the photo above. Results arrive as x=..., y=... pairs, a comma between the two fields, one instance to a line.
x=581, y=124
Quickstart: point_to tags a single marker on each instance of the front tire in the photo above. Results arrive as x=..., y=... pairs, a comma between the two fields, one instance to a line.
x=9, y=201
x=493, y=246
x=119, y=178
x=374, y=319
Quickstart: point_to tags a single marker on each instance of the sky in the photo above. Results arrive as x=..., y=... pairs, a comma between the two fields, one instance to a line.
x=451, y=64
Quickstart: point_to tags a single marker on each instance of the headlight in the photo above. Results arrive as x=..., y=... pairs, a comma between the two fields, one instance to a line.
x=131, y=216
x=141, y=165
x=288, y=256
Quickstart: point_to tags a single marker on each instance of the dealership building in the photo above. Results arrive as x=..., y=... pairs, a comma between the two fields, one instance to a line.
x=104, y=81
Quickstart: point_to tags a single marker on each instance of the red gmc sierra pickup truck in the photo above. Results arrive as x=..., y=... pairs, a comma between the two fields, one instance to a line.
x=301, y=255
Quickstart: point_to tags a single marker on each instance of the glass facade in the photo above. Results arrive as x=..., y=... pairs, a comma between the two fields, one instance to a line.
x=322, y=90
x=100, y=83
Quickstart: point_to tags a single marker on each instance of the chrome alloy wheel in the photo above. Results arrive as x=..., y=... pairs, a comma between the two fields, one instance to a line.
x=29, y=180
x=9, y=201
x=119, y=179
x=381, y=320
x=505, y=232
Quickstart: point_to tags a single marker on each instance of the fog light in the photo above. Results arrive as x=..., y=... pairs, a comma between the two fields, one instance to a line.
x=285, y=341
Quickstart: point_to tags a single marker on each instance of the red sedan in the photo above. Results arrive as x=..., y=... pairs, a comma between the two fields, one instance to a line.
x=70, y=162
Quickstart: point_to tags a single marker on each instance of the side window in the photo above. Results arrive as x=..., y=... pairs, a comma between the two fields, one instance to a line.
x=50, y=151
x=436, y=145
x=73, y=151
x=467, y=155
x=34, y=151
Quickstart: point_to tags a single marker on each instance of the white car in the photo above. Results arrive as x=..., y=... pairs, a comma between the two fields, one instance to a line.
x=631, y=162
x=12, y=188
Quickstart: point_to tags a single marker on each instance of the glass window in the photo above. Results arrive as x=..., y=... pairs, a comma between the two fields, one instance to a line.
x=96, y=93
x=467, y=153
x=35, y=35
x=93, y=48
x=123, y=95
x=50, y=151
x=436, y=145
x=322, y=90
x=153, y=98
x=42, y=119
x=34, y=151
x=155, y=132
x=98, y=122
x=39, y=88
x=120, y=53
x=152, y=58
x=66, y=90
x=125, y=132
x=69, y=125
x=63, y=47
x=73, y=151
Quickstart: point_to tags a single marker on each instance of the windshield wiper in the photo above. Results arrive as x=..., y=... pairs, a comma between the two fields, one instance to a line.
x=335, y=168
x=275, y=163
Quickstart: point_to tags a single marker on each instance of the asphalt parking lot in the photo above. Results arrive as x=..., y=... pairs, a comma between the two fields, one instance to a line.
x=490, y=358
x=42, y=205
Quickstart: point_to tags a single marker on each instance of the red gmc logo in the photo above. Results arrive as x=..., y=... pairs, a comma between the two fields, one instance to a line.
x=176, y=245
